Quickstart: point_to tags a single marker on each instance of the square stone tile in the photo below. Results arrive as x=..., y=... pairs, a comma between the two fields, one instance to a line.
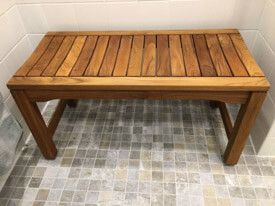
x=139, y=152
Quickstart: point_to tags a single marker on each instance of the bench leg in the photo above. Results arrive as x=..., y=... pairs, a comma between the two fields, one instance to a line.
x=244, y=122
x=72, y=103
x=34, y=120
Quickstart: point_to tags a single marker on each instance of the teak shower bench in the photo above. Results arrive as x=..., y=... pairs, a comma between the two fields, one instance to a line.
x=212, y=65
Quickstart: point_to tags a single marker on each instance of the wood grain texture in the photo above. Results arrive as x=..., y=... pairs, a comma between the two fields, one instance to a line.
x=229, y=97
x=31, y=61
x=110, y=57
x=247, y=59
x=146, y=83
x=205, y=61
x=218, y=58
x=72, y=57
x=34, y=120
x=45, y=59
x=163, y=56
x=212, y=65
x=177, y=62
x=149, y=56
x=56, y=116
x=244, y=122
x=84, y=57
x=59, y=56
x=226, y=117
x=123, y=56
x=190, y=57
x=232, y=57
x=96, y=61
x=135, y=63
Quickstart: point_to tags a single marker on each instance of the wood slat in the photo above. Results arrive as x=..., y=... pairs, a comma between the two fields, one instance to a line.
x=177, y=62
x=218, y=58
x=163, y=57
x=45, y=59
x=149, y=56
x=246, y=57
x=189, y=55
x=123, y=56
x=231, y=55
x=134, y=68
x=59, y=56
x=205, y=62
x=84, y=58
x=110, y=57
x=97, y=58
x=72, y=57
x=38, y=52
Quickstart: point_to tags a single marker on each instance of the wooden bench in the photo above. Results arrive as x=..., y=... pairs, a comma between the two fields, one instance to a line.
x=212, y=65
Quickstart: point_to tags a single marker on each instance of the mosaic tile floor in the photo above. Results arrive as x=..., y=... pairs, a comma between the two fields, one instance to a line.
x=139, y=153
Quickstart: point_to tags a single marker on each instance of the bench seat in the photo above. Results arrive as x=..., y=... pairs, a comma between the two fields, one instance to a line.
x=212, y=65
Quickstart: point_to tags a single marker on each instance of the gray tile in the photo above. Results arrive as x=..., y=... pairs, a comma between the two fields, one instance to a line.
x=42, y=194
x=91, y=197
x=35, y=182
x=67, y=196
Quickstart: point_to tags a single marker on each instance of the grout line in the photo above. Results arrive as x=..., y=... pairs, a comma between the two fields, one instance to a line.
x=7, y=10
x=261, y=15
x=13, y=48
x=266, y=42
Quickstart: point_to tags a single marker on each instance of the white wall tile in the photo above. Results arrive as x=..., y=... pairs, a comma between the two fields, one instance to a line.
x=264, y=128
x=13, y=61
x=125, y=15
x=60, y=17
x=11, y=31
x=10, y=103
x=5, y=5
x=271, y=133
x=5, y=75
x=146, y=14
x=33, y=18
x=267, y=148
x=153, y=15
x=267, y=25
x=5, y=42
x=249, y=37
x=92, y=16
x=264, y=132
x=264, y=55
x=34, y=39
x=268, y=112
x=247, y=13
x=259, y=132
x=201, y=14
x=15, y=25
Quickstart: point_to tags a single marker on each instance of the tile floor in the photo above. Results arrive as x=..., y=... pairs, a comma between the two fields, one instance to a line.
x=139, y=153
